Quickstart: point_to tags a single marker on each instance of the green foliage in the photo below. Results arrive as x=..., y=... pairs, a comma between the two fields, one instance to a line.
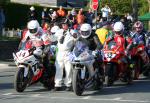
x=142, y=7
x=124, y=6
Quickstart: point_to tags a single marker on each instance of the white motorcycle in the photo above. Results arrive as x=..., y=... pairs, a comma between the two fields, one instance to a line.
x=29, y=71
x=81, y=57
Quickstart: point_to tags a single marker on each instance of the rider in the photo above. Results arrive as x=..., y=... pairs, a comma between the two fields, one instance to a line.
x=91, y=40
x=40, y=41
x=138, y=29
x=121, y=41
x=138, y=35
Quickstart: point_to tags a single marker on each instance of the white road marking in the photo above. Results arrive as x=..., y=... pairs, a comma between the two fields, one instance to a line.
x=102, y=99
x=7, y=94
x=89, y=98
x=119, y=98
x=35, y=95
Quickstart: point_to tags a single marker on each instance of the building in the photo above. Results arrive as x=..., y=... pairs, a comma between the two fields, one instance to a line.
x=55, y=3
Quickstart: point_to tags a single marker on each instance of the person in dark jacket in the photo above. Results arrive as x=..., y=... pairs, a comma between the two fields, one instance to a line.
x=32, y=14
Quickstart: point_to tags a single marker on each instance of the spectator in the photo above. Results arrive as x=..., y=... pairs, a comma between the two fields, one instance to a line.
x=45, y=17
x=80, y=17
x=50, y=14
x=105, y=12
x=32, y=15
x=73, y=12
x=54, y=16
x=129, y=17
x=2, y=20
x=89, y=16
x=70, y=19
x=61, y=12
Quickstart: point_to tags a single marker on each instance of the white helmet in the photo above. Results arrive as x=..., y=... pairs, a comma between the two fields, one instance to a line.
x=54, y=29
x=85, y=30
x=118, y=27
x=33, y=27
x=32, y=8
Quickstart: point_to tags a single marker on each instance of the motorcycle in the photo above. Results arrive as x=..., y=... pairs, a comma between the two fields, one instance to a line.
x=140, y=60
x=115, y=66
x=80, y=58
x=30, y=70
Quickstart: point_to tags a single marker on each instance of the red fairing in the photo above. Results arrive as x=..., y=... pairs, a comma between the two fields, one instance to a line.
x=120, y=43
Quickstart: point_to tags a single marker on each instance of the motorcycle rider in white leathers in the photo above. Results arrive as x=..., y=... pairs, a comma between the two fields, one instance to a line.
x=90, y=39
x=65, y=45
x=39, y=40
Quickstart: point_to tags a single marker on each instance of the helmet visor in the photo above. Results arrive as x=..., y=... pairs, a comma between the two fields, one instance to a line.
x=85, y=33
x=32, y=31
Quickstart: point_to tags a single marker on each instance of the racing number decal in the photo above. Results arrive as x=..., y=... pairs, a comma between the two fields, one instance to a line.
x=34, y=67
x=109, y=55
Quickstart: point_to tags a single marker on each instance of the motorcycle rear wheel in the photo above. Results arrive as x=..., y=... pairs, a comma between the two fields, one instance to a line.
x=77, y=82
x=20, y=82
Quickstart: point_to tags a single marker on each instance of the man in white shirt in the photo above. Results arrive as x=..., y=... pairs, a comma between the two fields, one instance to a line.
x=105, y=12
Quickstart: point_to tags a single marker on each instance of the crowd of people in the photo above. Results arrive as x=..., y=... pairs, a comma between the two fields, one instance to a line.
x=65, y=29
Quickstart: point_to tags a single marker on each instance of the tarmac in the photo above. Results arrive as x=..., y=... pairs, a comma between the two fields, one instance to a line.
x=7, y=65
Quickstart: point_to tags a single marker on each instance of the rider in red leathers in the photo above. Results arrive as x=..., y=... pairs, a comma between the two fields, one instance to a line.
x=121, y=42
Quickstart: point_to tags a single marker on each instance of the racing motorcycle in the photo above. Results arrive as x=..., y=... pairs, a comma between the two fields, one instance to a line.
x=115, y=68
x=140, y=60
x=29, y=71
x=81, y=57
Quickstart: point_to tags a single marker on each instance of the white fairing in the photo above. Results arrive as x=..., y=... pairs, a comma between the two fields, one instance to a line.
x=82, y=55
x=27, y=61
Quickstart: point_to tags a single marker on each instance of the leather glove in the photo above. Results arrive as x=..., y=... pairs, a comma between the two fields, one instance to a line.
x=95, y=53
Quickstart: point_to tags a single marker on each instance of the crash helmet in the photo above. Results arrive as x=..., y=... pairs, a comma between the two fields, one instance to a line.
x=33, y=27
x=118, y=27
x=138, y=26
x=85, y=30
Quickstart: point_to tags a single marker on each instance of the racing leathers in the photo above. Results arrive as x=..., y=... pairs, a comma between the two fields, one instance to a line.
x=138, y=39
x=94, y=45
x=42, y=43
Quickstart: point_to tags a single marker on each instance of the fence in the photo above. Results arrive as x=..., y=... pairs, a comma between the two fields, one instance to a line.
x=11, y=32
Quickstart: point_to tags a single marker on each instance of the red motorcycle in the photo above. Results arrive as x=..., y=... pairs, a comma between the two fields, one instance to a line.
x=116, y=66
x=140, y=59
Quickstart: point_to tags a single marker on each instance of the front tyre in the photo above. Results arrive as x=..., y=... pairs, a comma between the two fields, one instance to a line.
x=77, y=82
x=20, y=82
x=110, y=74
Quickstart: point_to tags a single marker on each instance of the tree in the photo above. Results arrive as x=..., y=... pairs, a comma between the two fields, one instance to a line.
x=124, y=6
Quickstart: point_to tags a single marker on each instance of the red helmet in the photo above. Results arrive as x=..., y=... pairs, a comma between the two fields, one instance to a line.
x=138, y=26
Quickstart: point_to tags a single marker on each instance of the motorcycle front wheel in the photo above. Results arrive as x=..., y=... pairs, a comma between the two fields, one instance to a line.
x=20, y=82
x=77, y=82
x=110, y=73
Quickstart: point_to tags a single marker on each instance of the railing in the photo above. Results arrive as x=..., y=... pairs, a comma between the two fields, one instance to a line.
x=11, y=32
